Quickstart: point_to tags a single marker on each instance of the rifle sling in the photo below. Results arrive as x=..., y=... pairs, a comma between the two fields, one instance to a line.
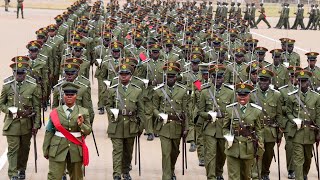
x=169, y=100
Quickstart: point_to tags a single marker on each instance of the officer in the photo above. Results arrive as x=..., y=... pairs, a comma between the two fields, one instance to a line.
x=213, y=100
x=242, y=130
x=20, y=102
x=125, y=115
x=170, y=102
x=303, y=109
x=271, y=102
x=66, y=130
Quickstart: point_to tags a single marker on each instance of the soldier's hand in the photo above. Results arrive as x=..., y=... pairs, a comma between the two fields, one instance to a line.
x=34, y=131
x=80, y=120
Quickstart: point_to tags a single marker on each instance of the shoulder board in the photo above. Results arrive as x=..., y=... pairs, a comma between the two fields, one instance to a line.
x=283, y=87
x=10, y=78
x=42, y=60
x=116, y=77
x=8, y=82
x=90, y=26
x=293, y=92
x=160, y=86
x=48, y=45
x=135, y=85
x=71, y=20
x=180, y=85
x=315, y=92
x=82, y=84
x=97, y=47
x=208, y=51
x=256, y=106
x=203, y=43
x=84, y=77
x=175, y=54
x=59, y=83
x=274, y=90
x=43, y=55
x=113, y=86
x=65, y=25
x=59, y=36
x=230, y=105
x=203, y=30
x=31, y=82
x=205, y=86
x=31, y=78
x=229, y=86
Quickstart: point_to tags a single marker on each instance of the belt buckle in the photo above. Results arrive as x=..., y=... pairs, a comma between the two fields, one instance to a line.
x=124, y=112
x=129, y=113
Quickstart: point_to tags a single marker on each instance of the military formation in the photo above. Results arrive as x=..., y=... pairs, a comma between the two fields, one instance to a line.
x=183, y=72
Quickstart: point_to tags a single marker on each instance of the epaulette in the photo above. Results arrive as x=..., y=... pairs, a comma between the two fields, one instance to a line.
x=64, y=25
x=256, y=106
x=10, y=78
x=283, y=87
x=267, y=65
x=275, y=90
x=43, y=55
x=84, y=77
x=59, y=36
x=203, y=43
x=203, y=30
x=58, y=84
x=48, y=45
x=229, y=86
x=115, y=77
x=208, y=51
x=205, y=86
x=82, y=84
x=314, y=92
x=135, y=85
x=42, y=60
x=97, y=47
x=159, y=86
x=230, y=105
x=113, y=86
x=71, y=20
x=180, y=85
x=175, y=54
x=31, y=82
x=31, y=78
x=293, y=92
x=8, y=82
x=90, y=26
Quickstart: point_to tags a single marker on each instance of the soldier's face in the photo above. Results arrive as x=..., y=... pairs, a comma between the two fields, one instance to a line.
x=290, y=48
x=276, y=60
x=233, y=38
x=243, y=99
x=239, y=59
x=264, y=83
x=20, y=76
x=293, y=80
x=217, y=80
x=52, y=33
x=70, y=99
x=254, y=77
x=138, y=42
x=116, y=54
x=124, y=78
x=33, y=53
x=195, y=67
x=77, y=52
x=70, y=76
x=155, y=55
x=171, y=80
x=261, y=56
x=284, y=47
x=205, y=76
x=312, y=64
x=303, y=84
x=42, y=39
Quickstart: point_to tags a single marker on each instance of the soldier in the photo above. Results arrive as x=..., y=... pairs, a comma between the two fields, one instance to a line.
x=286, y=17
x=252, y=19
x=299, y=18
x=20, y=7
x=126, y=123
x=70, y=74
x=312, y=67
x=303, y=109
x=238, y=68
x=281, y=74
x=213, y=100
x=20, y=102
x=242, y=130
x=66, y=130
x=261, y=54
x=170, y=102
x=6, y=5
x=262, y=16
x=280, y=22
x=232, y=11
x=289, y=57
x=271, y=102
x=287, y=124
x=311, y=16
x=252, y=70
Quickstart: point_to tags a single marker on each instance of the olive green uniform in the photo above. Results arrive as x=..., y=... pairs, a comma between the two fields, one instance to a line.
x=18, y=129
x=214, y=142
x=20, y=7
x=62, y=153
x=262, y=17
x=126, y=127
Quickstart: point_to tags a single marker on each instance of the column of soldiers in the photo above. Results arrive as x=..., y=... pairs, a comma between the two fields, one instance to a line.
x=172, y=70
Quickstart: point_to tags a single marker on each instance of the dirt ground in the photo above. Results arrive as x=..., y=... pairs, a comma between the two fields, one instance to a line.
x=16, y=33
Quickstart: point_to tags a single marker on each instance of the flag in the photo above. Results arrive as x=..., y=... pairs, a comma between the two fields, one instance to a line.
x=142, y=56
x=197, y=84
x=128, y=36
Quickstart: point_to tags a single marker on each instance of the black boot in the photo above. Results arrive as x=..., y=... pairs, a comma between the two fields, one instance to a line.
x=193, y=147
x=22, y=174
x=101, y=110
x=174, y=177
x=201, y=163
x=126, y=176
x=150, y=137
x=291, y=175
x=117, y=178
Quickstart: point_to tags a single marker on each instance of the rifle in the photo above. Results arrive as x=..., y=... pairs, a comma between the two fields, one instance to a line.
x=278, y=154
x=316, y=160
x=34, y=137
x=94, y=140
x=255, y=146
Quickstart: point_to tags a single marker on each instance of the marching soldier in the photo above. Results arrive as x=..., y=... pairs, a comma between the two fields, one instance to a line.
x=303, y=109
x=312, y=67
x=67, y=128
x=287, y=124
x=238, y=68
x=20, y=102
x=289, y=57
x=170, y=102
x=243, y=132
x=20, y=7
x=125, y=114
x=281, y=74
x=213, y=100
x=271, y=102
x=262, y=16
x=299, y=18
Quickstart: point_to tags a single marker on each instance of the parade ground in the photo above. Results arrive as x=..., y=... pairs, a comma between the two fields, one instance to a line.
x=16, y=33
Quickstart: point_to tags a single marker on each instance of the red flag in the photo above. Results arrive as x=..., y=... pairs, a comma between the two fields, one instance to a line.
x=142, y=56
x=197, y=84
x=150, y=27
x=128, y=36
